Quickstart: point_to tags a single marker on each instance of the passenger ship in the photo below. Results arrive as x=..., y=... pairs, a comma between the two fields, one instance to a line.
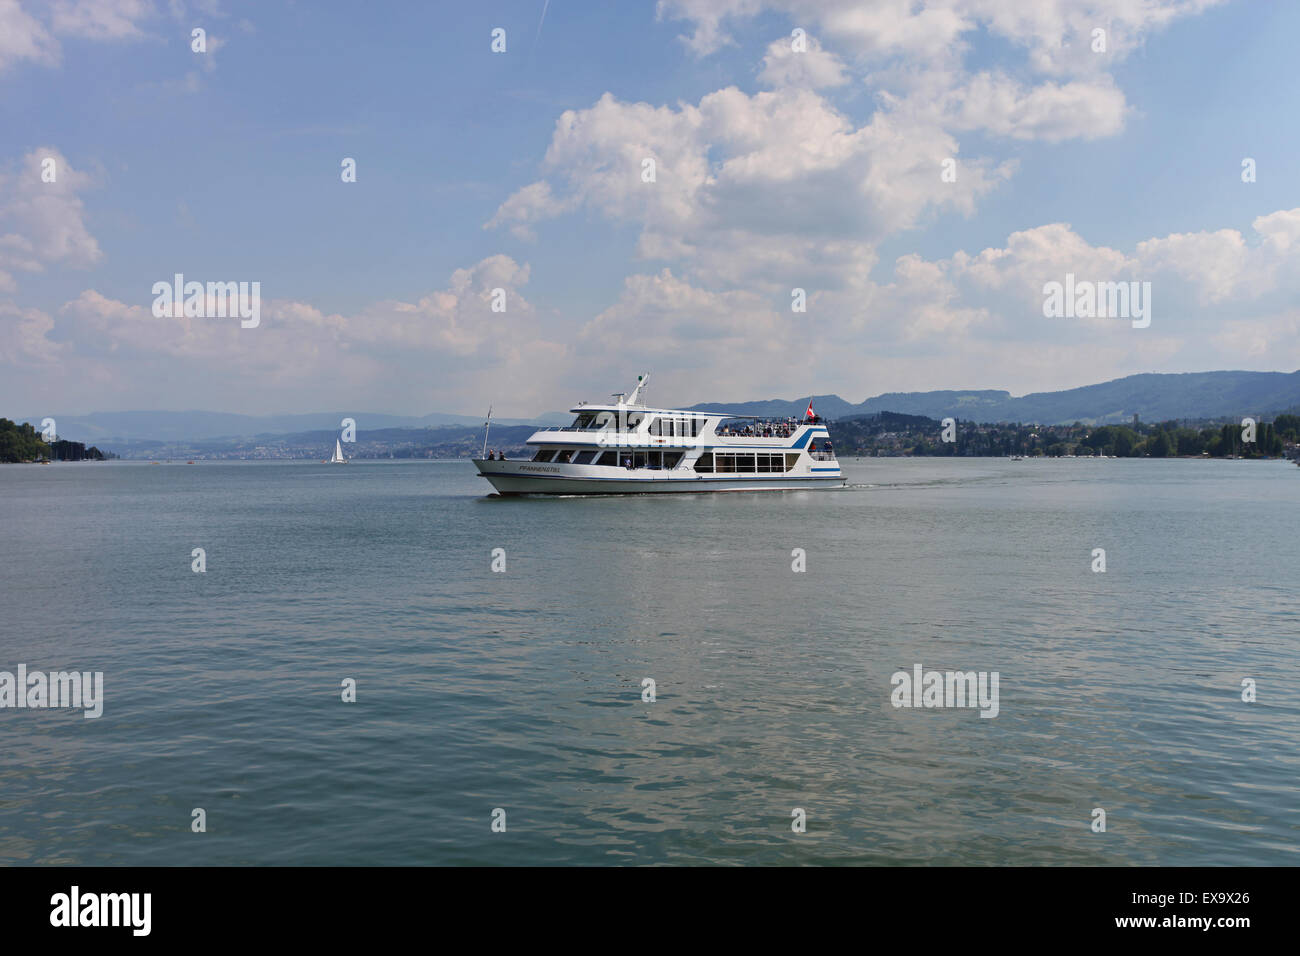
x=630, y=448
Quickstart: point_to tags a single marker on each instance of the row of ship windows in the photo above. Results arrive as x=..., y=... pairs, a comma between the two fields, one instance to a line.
x=677, y=427
x=627, y=459
x=663, y=427
x=726, y=463
x=723, y=463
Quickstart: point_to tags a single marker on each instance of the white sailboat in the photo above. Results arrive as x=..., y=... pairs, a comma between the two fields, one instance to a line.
x=338, y=458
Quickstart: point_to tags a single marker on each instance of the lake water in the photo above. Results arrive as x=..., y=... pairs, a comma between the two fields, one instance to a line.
x=522, y=690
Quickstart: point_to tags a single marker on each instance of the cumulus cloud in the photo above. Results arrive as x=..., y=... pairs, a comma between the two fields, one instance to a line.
x=1050, y=111
x=812, y=67
x=43, y=222
x=23, y=37
x=777, y=185
x=1056, y=35
x=780, y=185
x=529, y=205
x=437, y=343
x=911, y=54
x=937, y=320
x=707, y=18
x=1224, y=265
x=100, y=19
x=24, y=337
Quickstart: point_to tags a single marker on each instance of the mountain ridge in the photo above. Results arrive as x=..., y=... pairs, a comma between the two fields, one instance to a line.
x=1153, y=396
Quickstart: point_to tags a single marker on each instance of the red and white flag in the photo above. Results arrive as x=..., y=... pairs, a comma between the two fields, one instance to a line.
x=809, y=413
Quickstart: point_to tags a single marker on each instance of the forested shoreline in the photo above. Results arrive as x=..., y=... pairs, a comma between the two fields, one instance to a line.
x=23, y=443
x=891, y=433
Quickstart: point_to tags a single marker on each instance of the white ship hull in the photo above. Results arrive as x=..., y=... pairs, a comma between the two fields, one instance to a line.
x=509, y=478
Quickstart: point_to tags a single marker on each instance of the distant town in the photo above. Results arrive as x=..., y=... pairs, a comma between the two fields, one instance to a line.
x=884, y=434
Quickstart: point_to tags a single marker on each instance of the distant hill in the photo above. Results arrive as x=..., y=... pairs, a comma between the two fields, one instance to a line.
x=102, y=427
x=1153, y=397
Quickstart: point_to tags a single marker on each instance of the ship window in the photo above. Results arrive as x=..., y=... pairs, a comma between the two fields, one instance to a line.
x=656, y=427
x=745, y=463
x=544, y=454
x=791, y=461
x=704, y=462
x=608, y=458
x=638, y=459
x=724, y=464
x=671, y=458
x=634, y=419
x=584, y=420
x=564, y=455
x=583, y=457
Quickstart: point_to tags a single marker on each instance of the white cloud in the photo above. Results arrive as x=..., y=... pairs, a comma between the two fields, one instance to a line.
x=433, y=351
x=1050, y=111
x=529, y=205
x=1055, y=34
x=24, y=337
x=100, y=19
x=707, y=17
x=22, y=37
x=41, y=222
x=1261, y=340
x=813, y=68
x=1222, y=266
x=911, y=54
x=937, y=321
x=778, y=186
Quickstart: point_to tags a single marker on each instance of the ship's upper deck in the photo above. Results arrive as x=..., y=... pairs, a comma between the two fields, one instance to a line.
x=582, y=408
x=631, y=420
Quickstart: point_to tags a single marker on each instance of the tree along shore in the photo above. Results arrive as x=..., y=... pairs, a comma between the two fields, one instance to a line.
x=23, y=443
x=891, y=433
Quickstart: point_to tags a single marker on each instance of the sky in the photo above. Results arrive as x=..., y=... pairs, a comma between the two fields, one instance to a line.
x=920, y=170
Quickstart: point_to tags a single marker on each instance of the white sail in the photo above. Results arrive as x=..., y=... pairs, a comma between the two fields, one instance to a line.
x=338, y=453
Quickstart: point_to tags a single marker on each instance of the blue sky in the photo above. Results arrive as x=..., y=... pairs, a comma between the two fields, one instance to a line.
x=776, y=169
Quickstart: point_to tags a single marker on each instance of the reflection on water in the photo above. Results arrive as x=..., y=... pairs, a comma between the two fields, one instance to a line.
x=522, y=690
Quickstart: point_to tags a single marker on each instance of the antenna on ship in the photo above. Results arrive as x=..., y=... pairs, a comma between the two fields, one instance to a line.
x=487, y=426
x=640, y=384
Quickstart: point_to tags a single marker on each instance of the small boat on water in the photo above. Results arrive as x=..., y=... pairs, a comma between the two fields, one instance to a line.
x=338, y=458
x=627, y=447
